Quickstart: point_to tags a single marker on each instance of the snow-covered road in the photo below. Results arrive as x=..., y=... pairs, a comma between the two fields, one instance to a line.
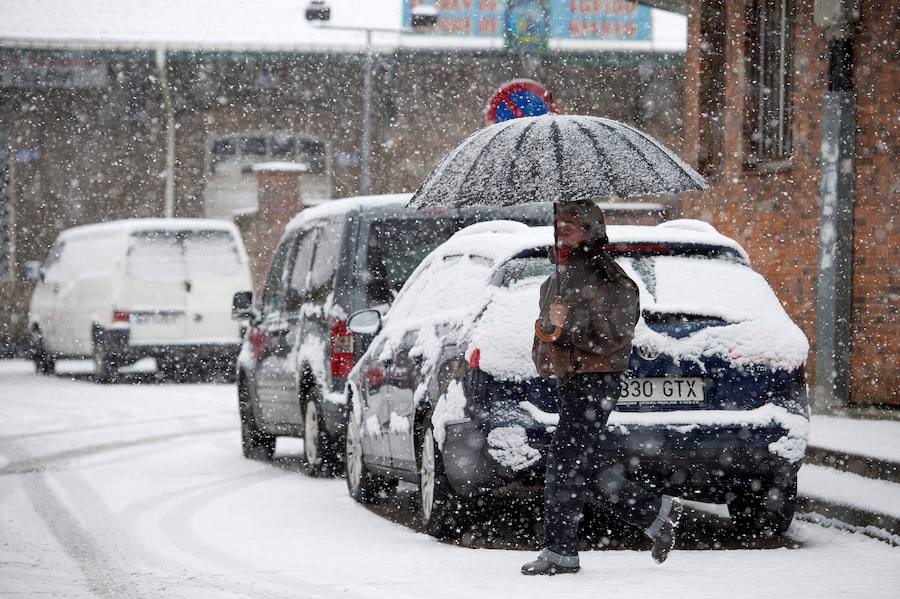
x=139, y=490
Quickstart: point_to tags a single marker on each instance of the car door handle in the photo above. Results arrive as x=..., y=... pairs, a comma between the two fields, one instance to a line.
x=187, y=286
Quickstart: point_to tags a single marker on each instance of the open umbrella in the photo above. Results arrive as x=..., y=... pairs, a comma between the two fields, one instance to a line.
x=558, y=158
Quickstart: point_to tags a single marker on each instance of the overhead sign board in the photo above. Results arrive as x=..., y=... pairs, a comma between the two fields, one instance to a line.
x=529, y=23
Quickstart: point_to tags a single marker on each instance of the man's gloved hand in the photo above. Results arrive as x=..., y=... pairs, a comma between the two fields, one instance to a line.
x=558, y=314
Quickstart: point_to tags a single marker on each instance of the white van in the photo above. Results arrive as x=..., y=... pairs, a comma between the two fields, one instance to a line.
x=124, y=290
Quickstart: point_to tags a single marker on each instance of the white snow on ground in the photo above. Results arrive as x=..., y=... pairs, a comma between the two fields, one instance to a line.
x=120, y=490
x=846, y=488
x=874, y=438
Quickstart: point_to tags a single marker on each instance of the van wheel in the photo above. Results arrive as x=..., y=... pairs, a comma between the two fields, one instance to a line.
x=362, y=484
x=106, y=369
x=764, y=511
x=43, y=362
x=255, y=444
x=441, y=510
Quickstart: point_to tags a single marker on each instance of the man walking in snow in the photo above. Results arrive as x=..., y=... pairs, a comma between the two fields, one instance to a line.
x=594, y=307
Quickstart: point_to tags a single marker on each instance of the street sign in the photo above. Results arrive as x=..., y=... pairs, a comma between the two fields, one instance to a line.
x=527, y=24
x=518, y=98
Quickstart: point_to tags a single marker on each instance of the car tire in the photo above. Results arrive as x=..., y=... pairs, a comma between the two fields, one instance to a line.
x=106, y=369
x=442, y=512
x=318, y=446
x=764, y=509
x=363, y=485
x=43, y=362
x=255, y=444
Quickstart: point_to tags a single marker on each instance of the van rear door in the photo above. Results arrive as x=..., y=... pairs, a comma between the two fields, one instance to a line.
x=215, y=270
x=155, y=291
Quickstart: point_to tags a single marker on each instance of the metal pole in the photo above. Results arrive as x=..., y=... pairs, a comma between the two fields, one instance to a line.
x=365, y=179
x=835, y=281
x=163, y=67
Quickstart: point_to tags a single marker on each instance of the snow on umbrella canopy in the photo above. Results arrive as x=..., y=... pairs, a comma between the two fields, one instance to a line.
x=559, y=158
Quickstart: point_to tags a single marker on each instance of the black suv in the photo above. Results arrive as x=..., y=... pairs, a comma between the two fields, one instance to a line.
x=333, y=260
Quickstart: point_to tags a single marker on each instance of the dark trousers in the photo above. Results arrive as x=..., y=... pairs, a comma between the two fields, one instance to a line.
x=577, y=470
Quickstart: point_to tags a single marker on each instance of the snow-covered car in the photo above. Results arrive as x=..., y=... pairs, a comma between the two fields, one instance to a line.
x=333, y=259
x=713, y=406
x=123, y=290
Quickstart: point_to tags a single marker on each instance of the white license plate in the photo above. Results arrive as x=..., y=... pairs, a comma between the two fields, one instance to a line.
x=156, y=317
x=671, y=391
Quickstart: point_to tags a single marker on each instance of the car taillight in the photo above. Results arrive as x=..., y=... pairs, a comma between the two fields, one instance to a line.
x=341, y=349
x=475, y=358
x=257, y=342
x=120, y=317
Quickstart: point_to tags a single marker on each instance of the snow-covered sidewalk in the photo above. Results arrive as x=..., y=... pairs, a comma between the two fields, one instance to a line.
x=878, y=439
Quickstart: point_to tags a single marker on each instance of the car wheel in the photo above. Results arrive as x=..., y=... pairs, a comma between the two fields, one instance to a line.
x=441, y=511
x=106, y=370
x=255, y=444
x=765, y=509
x=362, y=485
x=318, y=445
x=43, y=363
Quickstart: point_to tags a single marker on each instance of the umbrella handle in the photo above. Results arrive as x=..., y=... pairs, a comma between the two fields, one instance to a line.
x=542, y=336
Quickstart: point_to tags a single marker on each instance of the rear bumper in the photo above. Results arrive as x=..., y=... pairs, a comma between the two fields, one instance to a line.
x=702, y=462
x=118, y=344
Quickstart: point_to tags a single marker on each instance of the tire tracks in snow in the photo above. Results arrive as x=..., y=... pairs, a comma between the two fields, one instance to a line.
x=40, y=463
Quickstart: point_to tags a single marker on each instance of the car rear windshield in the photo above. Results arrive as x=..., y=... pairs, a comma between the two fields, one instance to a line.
x=695, y=282
x=172, y=255
x=396, y=247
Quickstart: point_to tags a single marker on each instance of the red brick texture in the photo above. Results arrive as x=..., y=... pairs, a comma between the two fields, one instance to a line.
x=775, y=215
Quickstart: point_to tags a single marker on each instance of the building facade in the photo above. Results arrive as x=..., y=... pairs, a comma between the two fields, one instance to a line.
x=757, y=77
x=88, y=128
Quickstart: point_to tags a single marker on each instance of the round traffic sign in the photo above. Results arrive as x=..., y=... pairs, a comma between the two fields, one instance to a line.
x=518, y=98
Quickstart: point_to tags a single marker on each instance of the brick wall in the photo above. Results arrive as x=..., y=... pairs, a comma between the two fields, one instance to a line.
x=775, y=214
x=876, y=262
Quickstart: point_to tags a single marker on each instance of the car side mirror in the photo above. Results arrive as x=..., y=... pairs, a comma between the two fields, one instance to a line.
x=242, y=306
x=34, y=271
x=365, y=322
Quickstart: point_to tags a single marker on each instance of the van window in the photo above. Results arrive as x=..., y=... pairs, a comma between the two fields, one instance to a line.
x=170, y=255
x=325, y=263
x=212, y=253
x=155, y=256
x=299, y=284
x=275, y=286
x=396, y=247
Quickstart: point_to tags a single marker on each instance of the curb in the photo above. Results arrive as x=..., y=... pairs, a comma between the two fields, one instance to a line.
x=865, y=520
x=857, y=464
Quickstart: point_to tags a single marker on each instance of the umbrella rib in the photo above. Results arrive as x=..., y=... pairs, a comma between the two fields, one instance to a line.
x=601, y=153
x=679, y=164
x=643, y=154
x=510, y=174
x=558, y=154
x=481, y=153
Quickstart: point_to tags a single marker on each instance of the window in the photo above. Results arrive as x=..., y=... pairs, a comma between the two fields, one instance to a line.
x=769, y=68
x=253, y=146
x=313, y=153
x=275, y=288
x=300, y=273
x=396, y=247
x=325, y=263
